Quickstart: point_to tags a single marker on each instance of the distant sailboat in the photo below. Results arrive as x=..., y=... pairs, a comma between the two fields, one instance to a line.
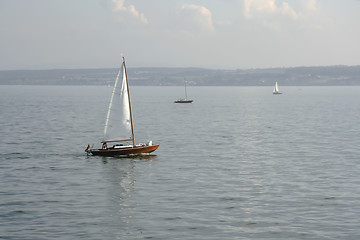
x=119, y=125
x=276, y=89
x=184, y=100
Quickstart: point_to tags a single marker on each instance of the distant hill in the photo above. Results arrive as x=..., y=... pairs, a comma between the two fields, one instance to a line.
x=297, y=76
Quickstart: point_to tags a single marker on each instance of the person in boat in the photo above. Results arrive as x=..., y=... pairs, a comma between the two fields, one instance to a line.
x=88, y=148
x=104, y=146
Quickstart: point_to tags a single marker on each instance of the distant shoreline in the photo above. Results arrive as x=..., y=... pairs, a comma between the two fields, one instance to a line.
x=297, y=76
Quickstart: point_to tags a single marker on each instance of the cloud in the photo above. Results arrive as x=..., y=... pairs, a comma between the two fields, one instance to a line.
x=270, y=8
x=196, y=17
x=127, y=11
x=276, y=14
x=311, y=6
x=263, y=8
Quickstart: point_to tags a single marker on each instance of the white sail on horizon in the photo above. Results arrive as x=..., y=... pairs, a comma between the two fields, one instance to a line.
x=276, y=88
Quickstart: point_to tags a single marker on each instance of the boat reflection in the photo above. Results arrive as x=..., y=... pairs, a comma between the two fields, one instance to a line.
x=119, y=177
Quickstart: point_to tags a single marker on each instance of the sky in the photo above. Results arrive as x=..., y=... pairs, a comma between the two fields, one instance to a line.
x=215, y=34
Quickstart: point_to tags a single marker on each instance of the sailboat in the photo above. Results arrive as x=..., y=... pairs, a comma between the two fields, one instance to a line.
x=276, y=89
x=184, y=100
x=119, y=124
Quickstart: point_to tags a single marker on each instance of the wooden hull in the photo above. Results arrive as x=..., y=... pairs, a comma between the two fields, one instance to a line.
x=183, y=101
x=123, y=151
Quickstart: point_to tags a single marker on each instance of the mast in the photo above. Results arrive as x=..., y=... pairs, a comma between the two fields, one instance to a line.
x=185, y=89
x=131, y=117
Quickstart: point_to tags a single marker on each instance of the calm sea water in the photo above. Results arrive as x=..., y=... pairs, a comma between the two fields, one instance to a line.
x=238, y=163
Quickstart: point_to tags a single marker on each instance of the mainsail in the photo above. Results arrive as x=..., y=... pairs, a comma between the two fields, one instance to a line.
x=276, y=88
x=118, y=118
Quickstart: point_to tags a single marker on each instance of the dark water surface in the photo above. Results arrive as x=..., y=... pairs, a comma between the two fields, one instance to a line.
x=238, y=163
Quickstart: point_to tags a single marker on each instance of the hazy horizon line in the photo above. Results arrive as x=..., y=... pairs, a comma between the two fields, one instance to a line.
x=205, y=68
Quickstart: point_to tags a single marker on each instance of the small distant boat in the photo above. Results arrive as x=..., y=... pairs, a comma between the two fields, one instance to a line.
x=119, y=125
x=276, y=89
x=184, y=100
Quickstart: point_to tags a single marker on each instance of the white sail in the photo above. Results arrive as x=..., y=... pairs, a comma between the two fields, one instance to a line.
x=276, y=88
x=118, y=121
x=124, y=95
